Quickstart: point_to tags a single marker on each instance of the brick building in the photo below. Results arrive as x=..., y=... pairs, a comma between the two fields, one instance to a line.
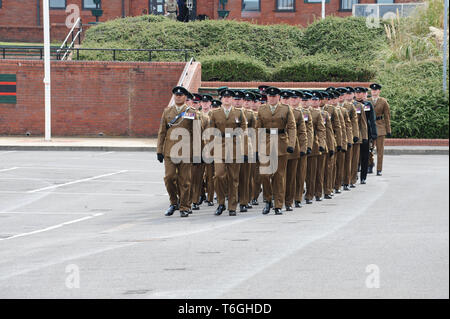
x=21, y=20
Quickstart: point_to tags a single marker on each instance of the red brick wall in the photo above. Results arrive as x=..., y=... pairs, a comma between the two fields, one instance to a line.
x=116, y=98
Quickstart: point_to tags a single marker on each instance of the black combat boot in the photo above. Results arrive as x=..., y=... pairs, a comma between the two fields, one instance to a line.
x=267, y=208
x=298, y=204
x=220, y=210
x=289, y=208
x=328, y=196
x=255, y=202
x=184, y=213
x=318, y=199
x=242, y=208
x=278, y=211
x=171, y=210
x=378, y=173
x=232, y=213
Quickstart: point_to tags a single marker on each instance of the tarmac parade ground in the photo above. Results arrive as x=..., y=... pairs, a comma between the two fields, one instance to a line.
x=85, y=224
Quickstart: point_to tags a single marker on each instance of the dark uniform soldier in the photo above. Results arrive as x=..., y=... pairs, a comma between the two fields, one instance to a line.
x=363, y=138
x=383, y=120
x=369, y=113
x=303, y=161
x=226, y=168
x=318, y=146
x=278, y=121
x=177, y=166
x=197, y=169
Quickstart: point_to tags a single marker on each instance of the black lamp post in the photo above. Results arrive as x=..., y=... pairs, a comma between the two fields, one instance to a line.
x=97, y=12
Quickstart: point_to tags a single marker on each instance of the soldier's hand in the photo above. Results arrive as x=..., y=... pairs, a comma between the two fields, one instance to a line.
x=365, y=141
x=245, y=159
x=331, y=153
x=302, y=154
x=339, y=148
x=355, y=139
x=257, y=158
x=388, y=135
x=308, y=151
x=290, y=149
x=321, y=149
x=160, y=157
x=349, y=145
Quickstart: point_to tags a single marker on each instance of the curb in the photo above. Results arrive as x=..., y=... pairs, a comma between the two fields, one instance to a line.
x=387, y=150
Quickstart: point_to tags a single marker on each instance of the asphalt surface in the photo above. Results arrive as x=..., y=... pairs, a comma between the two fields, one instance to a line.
x=91, y=225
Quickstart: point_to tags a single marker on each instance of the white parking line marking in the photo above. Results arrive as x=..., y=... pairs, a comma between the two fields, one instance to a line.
x=8, y=169
x=75, y=182
x=7, y=152
x=44, y=213
x=52, y=227
x=90, y=194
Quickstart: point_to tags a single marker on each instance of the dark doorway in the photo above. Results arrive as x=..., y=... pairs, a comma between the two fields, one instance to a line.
x=156, y=6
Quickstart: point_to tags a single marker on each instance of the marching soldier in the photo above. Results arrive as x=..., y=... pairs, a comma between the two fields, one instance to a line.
x=226, y=168
x=208, y=188
x=177, y=166
x=363, y=134
x=336, y=127
x=171, y=8
x=383, y=121
x=300, y=150
x=303, y=161
x=369, y=113
x=255, y=189
x=245, y=169
x=318, y=146
x=278, y=121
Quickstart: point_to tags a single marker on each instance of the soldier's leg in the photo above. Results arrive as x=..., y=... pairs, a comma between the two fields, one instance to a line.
x=291, y=176
x=328, y=176
x=196, y=176
x=301, y=177
x=355, y=162
x=220, y=178
x=380, y=152
x=244, y=175
x=266, y=181
x=232, y=170
x=318, y=188
x=364, y=160
x=348, y=165
x=184, y=183
x=210, y=182
x=251, y=178
x=279, y=182
x=311, y=177
x=371, y=159
x=170, y=180
x=256, y=182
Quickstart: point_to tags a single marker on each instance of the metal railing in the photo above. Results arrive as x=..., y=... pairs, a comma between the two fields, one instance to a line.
x=75, y=36
x=30, y=52
x=25, y=51
x=115, y=52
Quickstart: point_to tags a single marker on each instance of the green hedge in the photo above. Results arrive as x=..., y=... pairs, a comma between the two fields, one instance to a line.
x=323, y=68
x=233, y=67
x=419, y=107
x=269, y=44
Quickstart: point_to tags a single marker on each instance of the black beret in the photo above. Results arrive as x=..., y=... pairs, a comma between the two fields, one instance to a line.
x=286, y=94
x=359, y=89
x=330, y=88
x=350, y=89
x=249, y=96
x=306, y=96
x=375, y=86
x=296, y=93
x=216, y=103
x=238, y=94
x=342, y=90
x=207, y=98
x=272, y=91
x=189, y=95
x=180, y=90
x=226, y=92
x=262, y=87
x=197, y=97
x=316, y=95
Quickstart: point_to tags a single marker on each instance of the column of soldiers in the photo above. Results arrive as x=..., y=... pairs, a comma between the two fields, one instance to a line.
x=316, y=138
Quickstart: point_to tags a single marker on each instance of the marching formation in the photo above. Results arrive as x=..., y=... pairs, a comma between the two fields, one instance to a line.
x=324, y=138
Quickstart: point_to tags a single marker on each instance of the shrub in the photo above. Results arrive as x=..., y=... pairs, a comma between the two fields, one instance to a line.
x=323, y=67
x=232, y=67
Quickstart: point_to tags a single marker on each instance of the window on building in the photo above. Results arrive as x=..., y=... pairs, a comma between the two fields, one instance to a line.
x=346, y=5
x=285, y=5
x=251, y=5
x=385, y=1
x=0, y=4
x=89, y=4
x=57, y=4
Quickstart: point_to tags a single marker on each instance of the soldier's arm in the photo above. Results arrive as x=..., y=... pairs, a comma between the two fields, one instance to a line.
x=291, y=128
x=337, y=127
x=310, y=129
x=162, y=132
x=355, y=124
x=321, y=131
x=302, y=134
x=364, y=127
x=330, y=133
x=387, y=117
x=244, y=127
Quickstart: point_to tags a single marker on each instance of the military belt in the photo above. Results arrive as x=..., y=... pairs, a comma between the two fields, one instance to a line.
x=280, y=131
x=380, y=117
